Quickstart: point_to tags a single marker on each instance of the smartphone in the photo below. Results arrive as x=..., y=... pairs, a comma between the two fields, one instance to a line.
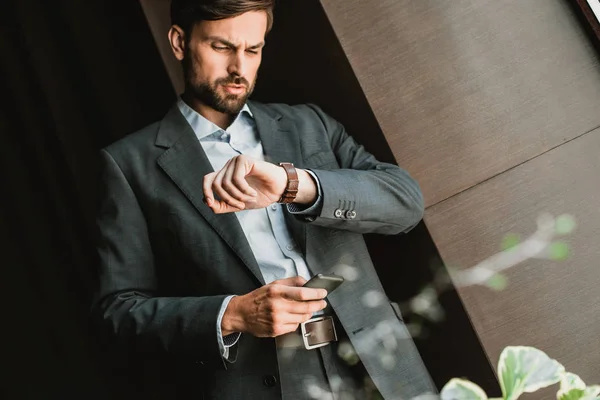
x=327, y=282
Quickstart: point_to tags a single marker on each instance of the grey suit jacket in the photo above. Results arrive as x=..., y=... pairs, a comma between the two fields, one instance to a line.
x=167, y=262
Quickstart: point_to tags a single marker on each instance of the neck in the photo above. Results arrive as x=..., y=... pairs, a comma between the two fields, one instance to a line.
x=222, y=120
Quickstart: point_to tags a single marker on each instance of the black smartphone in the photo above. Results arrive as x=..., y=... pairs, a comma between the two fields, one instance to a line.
x=327, y=282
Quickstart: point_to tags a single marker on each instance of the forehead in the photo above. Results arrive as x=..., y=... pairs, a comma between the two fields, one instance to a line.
x=247, y=28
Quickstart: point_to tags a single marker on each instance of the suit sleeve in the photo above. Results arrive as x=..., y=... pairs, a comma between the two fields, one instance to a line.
x=364, y=195
x=126, y=300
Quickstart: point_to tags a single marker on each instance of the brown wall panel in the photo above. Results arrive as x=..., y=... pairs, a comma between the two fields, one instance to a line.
x=466, y=89
x=553, y=305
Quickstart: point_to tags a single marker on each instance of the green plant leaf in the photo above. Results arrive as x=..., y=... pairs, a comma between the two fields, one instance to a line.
x=559, y=250
x=524, y=369
x=573, y=394
x=579, y=394
x=571, y=387
x=565, y=224
x=511, y=240
x=462, y=389
x=589, y=393
x=592, y=392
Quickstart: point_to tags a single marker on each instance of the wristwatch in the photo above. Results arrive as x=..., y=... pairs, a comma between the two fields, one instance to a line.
x=291, y=189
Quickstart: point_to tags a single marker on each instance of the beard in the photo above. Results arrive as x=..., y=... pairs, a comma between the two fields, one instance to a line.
x=230, y=104
x=208, y=93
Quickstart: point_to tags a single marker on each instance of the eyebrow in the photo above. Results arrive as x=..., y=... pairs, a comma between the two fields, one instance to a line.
x=230, y=44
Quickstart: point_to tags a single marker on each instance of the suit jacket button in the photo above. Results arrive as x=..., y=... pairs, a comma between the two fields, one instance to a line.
x=269, y=380
x=338, y=213
x=350, y=214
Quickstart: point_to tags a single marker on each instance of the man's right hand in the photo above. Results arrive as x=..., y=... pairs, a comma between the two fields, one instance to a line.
x=274, y=309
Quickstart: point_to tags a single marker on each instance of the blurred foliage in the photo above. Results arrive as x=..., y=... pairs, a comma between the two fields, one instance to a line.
x=523, y=369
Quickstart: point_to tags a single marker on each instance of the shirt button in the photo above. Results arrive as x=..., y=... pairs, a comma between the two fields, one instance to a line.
x=338, y=213
x=274, y=207
x=269, y=380
x=350, y=214
x=290, y=247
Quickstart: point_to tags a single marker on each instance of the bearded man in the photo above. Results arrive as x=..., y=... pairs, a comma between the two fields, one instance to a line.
x=212, y=219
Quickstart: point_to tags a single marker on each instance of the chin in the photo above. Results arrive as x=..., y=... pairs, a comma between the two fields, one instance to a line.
x=229, y=107
x=237, y=102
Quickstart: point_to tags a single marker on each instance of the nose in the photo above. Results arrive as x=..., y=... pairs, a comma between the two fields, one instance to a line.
x=237, y=64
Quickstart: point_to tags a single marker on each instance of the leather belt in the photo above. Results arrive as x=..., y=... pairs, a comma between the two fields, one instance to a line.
x=314, y=333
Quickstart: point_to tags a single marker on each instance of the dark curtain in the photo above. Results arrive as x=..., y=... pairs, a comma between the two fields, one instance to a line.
x=76, y=75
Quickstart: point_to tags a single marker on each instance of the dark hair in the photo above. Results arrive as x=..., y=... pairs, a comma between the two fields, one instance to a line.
x=187, y=13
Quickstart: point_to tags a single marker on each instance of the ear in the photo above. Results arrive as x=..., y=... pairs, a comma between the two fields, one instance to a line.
x=177, y=41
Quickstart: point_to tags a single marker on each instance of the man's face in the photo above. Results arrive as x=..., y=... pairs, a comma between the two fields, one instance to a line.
x=221, y=60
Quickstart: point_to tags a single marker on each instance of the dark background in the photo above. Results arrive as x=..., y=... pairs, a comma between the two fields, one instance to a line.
x=80, y=75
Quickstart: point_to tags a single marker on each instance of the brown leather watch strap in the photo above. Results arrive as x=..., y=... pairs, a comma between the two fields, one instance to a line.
x=291, y=189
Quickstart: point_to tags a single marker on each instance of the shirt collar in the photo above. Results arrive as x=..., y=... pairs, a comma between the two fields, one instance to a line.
x=203, y=127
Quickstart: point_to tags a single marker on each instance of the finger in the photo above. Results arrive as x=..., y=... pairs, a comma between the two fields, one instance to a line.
x=221, y=207
x=305, y=317
x=299, y=318
x=219, y=190
x=217, y=206
x=207, y=188
x=207, y=185
x=231, y=186
x=220, y=174
x=291, y=316
x=303, y=293
x=305, y=307
x=228, y=202
x=239, y=177
x=293, y=281
x=285, y=328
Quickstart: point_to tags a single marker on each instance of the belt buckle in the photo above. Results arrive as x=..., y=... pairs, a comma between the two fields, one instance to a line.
x=306, y=335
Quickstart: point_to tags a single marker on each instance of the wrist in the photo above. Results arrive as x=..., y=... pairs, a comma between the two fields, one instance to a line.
x=292, y=183
x=307, y=188
x=232, y=321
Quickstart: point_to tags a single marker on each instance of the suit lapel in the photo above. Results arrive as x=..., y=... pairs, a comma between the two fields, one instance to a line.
x=186, y=163
x=281, y=143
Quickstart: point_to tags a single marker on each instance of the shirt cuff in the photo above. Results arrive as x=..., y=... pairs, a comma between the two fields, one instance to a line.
x=313, y=209
x=225, y=342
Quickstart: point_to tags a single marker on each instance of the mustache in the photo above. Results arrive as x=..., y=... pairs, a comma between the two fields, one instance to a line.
x=233, y=80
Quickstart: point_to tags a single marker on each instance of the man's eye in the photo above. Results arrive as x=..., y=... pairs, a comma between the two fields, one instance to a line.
x=252, y=51
x=220, y=48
